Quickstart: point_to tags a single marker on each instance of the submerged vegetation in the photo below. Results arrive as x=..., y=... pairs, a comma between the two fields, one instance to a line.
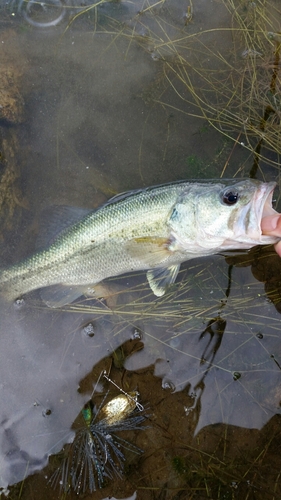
x=235, y=85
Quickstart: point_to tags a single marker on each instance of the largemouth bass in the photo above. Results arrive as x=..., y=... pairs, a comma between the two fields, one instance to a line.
x=154, y=229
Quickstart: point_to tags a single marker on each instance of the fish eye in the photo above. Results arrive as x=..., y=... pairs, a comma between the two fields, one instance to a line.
x=230, y=197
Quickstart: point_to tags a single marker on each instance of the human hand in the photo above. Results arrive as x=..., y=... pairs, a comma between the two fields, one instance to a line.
x=271, y=226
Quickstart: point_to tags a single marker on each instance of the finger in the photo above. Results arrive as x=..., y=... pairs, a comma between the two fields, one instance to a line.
x=278, y=248
x=271, y=225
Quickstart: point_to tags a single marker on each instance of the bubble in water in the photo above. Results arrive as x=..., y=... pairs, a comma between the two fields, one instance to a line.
x=89, y=330
x=175, y=342
x=47, y=412
x=136, y=335
x=259, y=335
x=19, y=303
x=168, y=385
x=188, y=410
x=154, y=56
x=43, y=14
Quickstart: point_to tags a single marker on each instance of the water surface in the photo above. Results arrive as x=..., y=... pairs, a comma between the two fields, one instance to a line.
x=100, y=103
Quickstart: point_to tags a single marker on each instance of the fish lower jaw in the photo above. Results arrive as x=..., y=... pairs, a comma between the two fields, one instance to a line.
x=248, y=243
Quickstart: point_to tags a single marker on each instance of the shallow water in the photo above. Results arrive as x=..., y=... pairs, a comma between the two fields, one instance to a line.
x=99, y=111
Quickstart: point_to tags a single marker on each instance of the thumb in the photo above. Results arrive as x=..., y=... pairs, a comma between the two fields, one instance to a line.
x=271, y=225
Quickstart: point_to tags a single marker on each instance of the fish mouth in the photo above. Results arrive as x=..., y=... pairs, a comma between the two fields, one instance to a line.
x=264, y=208
x=268, y=209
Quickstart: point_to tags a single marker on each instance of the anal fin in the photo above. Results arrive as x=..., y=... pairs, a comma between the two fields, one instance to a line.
x=59, y=295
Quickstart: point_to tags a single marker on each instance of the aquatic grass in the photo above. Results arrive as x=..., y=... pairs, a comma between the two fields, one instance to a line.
x=93, y=9
x=188, y=312
x=138, y=301
x=235, y=88
x=239, y=89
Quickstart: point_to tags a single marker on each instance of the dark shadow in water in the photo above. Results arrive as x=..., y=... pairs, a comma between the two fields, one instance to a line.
x=266, y=268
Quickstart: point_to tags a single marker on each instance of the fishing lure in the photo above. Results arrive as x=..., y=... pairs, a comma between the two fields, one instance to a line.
x=97, y=452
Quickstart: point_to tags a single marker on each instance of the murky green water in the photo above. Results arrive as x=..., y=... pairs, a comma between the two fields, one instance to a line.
x=103, y=100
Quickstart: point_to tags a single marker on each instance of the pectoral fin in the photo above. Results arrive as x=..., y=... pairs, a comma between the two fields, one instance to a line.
x=150, y=250
x=160, y=278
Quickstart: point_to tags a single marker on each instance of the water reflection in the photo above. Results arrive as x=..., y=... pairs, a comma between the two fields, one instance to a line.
x=220, y=345
x=40, y=373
